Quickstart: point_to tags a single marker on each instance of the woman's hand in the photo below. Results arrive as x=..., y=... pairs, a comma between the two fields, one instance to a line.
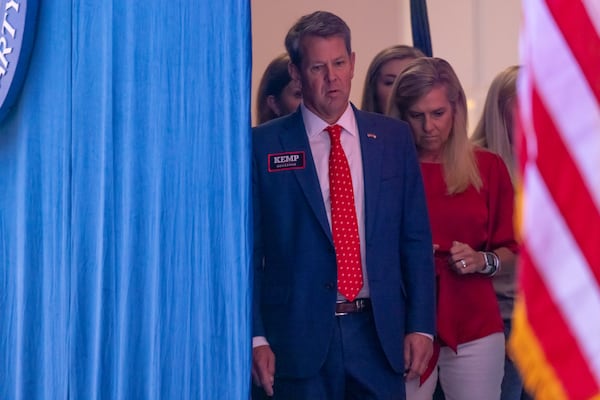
x=464, y=260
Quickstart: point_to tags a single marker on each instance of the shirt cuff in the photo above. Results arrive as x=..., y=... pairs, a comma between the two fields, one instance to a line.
x=425, y=334
x=259, y=341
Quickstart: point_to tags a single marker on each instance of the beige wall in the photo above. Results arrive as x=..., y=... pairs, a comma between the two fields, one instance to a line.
x=478, y=37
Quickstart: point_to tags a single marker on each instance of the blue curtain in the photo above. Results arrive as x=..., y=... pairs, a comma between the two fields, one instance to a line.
x=125, y=240
x=420, y=26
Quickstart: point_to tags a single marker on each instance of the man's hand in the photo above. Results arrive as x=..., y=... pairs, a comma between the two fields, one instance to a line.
x=418, y=349
x=263, y=368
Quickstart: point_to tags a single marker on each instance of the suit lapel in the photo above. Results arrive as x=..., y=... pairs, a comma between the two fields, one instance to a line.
x=372, y=149
x=294, y=138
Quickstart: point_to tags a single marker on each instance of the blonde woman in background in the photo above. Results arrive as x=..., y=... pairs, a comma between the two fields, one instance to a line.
x=469, y=196
x=382, y=72
x=495, y=132
x=495, y=128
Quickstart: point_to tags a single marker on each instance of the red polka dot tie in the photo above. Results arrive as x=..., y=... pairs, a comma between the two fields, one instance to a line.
x=343, y=219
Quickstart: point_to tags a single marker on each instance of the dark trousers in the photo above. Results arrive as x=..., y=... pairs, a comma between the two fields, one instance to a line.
x=355, y=368
x=512, y=385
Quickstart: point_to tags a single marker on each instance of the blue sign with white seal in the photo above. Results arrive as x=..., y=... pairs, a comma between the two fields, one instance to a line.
x=16, y=40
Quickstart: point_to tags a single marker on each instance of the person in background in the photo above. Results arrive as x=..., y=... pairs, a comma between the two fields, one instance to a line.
x=344, y=287
x=278, y=94
x=470, y=200
x=382, y=72
x=494, y=131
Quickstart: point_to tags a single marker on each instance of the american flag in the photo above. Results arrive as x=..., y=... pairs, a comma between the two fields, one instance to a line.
x=556, y=326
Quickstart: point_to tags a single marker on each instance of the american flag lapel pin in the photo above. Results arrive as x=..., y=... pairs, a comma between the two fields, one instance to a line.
x=371, y=136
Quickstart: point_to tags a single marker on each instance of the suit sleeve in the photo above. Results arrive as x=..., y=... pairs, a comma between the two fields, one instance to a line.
x=417, y=247
x=501, y=206
x=258, y=254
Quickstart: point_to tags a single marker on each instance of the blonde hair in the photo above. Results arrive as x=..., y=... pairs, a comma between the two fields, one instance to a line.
x=494, y=129
x=397, y=52
x=458, y=156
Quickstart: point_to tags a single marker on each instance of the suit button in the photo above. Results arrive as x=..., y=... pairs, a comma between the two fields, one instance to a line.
x=329, y=286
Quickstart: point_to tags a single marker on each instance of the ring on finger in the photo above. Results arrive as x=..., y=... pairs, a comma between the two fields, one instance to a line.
x=464, y=263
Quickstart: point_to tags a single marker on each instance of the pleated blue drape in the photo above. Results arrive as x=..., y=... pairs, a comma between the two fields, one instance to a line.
x=419, y=20
x=125, y=238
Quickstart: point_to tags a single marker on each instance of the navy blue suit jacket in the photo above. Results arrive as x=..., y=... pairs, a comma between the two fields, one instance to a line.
x=295, y=285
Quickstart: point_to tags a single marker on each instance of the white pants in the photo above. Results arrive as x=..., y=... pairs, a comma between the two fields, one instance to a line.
x=474, y=372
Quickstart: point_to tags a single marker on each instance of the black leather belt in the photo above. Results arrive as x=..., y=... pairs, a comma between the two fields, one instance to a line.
x=348, y=307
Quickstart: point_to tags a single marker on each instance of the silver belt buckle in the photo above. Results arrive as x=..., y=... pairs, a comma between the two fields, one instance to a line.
x=340, y=314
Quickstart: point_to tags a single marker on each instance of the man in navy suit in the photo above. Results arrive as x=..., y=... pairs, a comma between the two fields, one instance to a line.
x=310, y=341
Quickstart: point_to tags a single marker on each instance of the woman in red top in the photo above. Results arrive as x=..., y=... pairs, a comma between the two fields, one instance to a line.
x=470, y=201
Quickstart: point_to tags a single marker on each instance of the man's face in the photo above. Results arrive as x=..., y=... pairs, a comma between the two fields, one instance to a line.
x=325, y=75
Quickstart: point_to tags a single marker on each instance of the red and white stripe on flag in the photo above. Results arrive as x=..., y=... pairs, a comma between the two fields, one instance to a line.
x=556, y=326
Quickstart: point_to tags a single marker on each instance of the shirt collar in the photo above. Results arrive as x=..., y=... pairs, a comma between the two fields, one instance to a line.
x=315, y=125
